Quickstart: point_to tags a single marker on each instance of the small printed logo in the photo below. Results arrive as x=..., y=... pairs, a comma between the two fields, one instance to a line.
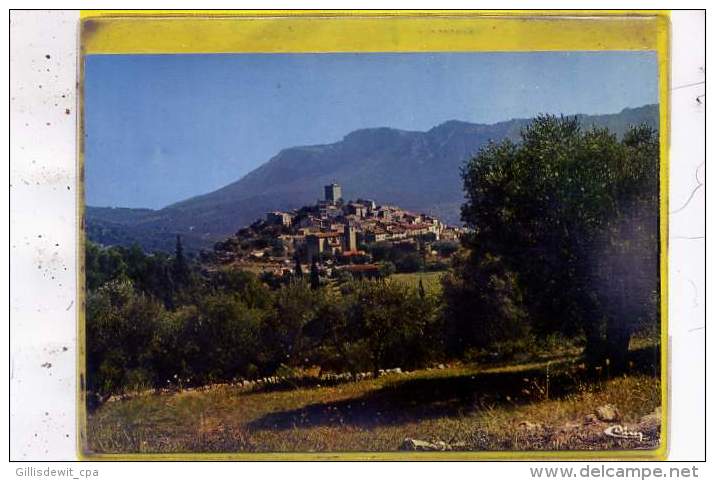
x=623, y=432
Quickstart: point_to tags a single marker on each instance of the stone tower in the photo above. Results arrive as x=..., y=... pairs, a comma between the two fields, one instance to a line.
x=333, y=193
x=349, y=238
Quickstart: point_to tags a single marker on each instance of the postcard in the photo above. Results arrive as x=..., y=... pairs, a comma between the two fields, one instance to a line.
x=419, y=235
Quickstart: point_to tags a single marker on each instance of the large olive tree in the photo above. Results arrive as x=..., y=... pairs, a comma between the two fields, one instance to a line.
x=573, y=214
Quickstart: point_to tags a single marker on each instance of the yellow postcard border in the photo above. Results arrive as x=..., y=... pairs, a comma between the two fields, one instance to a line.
x=294, y=31
x=371, y=31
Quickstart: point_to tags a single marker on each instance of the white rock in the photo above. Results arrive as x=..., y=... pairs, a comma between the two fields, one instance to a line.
x=608, y=413
x=410, y=444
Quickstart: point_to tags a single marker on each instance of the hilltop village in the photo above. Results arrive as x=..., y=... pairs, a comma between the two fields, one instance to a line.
x=359, y=237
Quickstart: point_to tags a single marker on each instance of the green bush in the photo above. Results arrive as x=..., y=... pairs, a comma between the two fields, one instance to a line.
x=482, y=305
x=393, y=321
x=121, y=324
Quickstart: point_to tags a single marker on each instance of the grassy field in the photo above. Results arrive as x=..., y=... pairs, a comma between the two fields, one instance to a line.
x=535, y=406
x=430, y=280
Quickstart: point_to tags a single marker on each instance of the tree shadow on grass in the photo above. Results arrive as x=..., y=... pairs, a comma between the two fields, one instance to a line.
x=404, y=400
x=409, y=400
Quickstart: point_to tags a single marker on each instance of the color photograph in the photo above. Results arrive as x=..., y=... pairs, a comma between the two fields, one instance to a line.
x=372, y=252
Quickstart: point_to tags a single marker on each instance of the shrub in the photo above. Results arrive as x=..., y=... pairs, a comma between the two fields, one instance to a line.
x=392, y=320
x=482, y=305
x=121, y=324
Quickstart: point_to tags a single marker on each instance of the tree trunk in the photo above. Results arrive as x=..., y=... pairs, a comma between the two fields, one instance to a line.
x=617, y=340
x=618, y=334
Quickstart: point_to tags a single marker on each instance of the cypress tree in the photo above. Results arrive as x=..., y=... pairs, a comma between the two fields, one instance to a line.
x=314, y=275
x=180, y=269
x=298, y=269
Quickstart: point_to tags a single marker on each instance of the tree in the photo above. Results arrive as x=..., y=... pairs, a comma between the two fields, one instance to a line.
x=386, y=269
x=180, y=269
x=329, y=342
x=120, y=327
x=482, y=304
x=446, y=248
x=409, y=262
x=392, y=321
x=103, y=265
x=573, y=215
x=380, y=251
x=314, y=275
x=246, y=285
x=225, y=334
x=422, y=248
x=282, y=333
x=298, y=271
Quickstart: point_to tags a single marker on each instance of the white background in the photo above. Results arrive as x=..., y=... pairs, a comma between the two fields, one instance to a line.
x=42, y=252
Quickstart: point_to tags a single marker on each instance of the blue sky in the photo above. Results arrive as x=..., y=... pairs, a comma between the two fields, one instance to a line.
x=162, y=128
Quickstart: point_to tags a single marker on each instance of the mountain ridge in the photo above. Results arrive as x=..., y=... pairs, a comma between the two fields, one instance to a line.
x=418, y=170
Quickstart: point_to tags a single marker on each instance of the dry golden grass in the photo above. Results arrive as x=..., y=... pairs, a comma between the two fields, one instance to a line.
x=518, y=407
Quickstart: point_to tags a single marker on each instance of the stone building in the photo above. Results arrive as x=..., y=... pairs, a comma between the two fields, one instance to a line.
x=333, y=193
x=320, y=242
x=279, y=218
x=349, y=238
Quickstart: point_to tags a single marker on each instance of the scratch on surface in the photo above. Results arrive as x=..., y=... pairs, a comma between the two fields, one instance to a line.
x=697, y=172
x=693, y=84
x=688, y=237
x=696, y=329
x=70, y=305
x=698, y=185
x=695, y=296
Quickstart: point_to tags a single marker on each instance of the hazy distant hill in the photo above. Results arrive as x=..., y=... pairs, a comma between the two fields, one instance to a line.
x=415, y=170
